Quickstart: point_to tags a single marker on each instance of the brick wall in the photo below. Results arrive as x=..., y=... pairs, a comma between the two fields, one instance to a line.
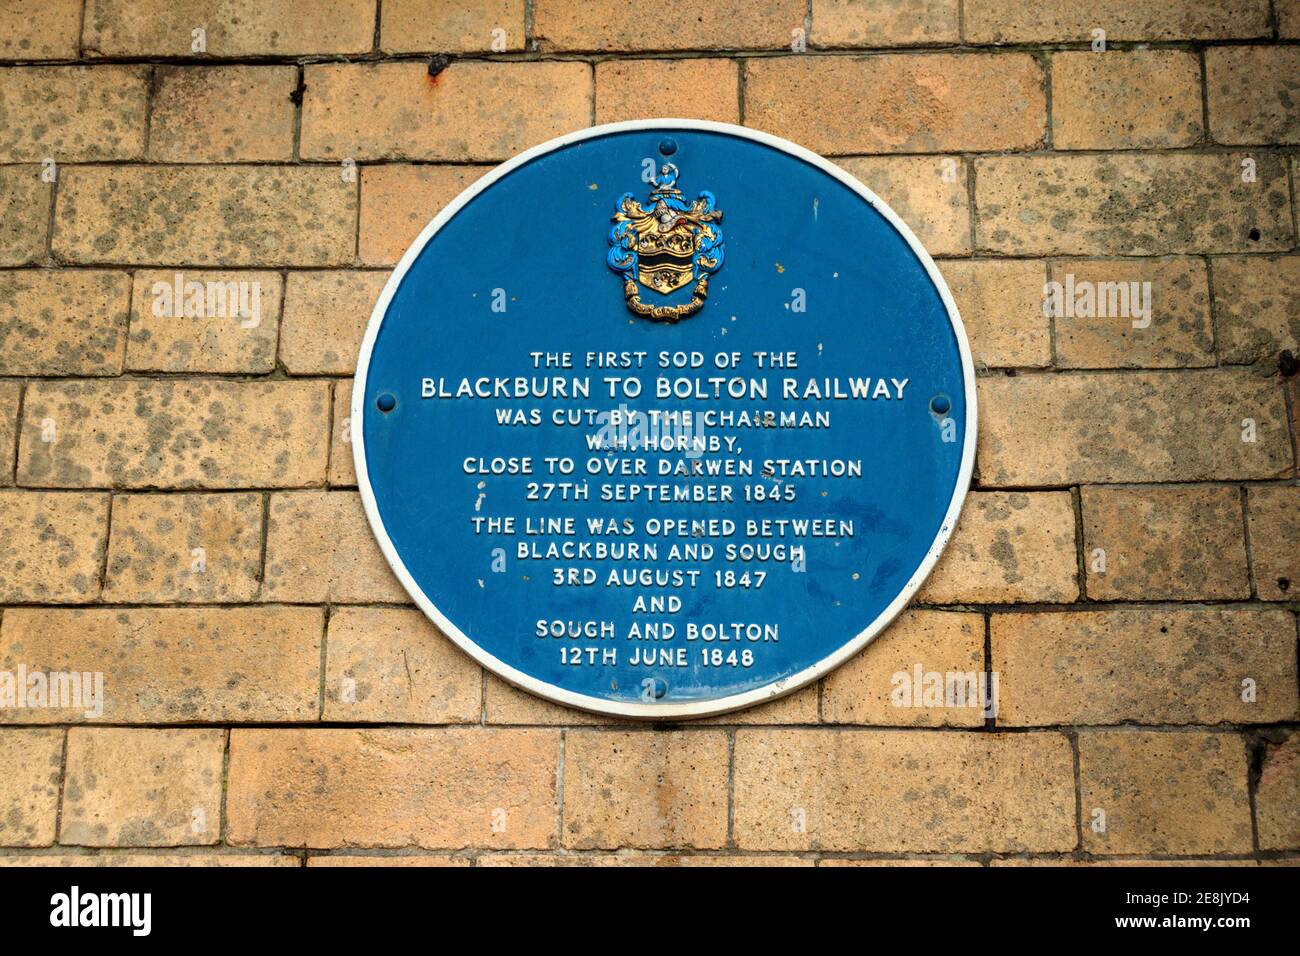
x=1128, y=557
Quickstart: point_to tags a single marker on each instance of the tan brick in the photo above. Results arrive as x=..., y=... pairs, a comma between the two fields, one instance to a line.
x=142, y=787
x=398, y=201
x=645, y=790
x=849, y=23
x=222, y=114
x=410, y=859
x=1288, y=19
x=215, y=858
x=1001, y=305
x=174, y=665
x=469, y=26
x=234, y=27
x=610, y=26
x=936, y=210
x=325, y=316
x=63, y=322
x=1176, y=542
x=704, y=89
x=471, y=111
x=876, y=686
x=73, y=113
x=9, y=393
x=1118, y=861
x=1135, y=99
x=799, y=707
x=391, y=665
x=342, y=470
x=29, y=786
x=1130, y=427
x=1277, y=796
x=1176, y=793
x=904, y=103
x=320, y=548
x=24, y=215
x=1257, y=307
x=1253, y=93
x=206, y=215
x=193, y=433
x=440, y=789
x=1097, y=303
x=1124, y=204
x=1009, y=547
x=910, y=791
x=1158, y=666
x=1274, y=513
x=190, y=547
x=911, y=861
x=232, y=330
x=506, y=704
x=1012, y=21
x=40, y=29
x=666, y=860
x=53, y=546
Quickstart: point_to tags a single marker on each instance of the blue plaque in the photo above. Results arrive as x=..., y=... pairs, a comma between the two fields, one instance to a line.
x=664, y=419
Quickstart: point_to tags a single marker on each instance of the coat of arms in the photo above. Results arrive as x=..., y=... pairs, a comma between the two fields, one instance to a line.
x=666, y=245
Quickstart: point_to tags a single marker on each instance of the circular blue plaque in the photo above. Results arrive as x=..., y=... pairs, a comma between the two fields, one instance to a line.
x=664, y=419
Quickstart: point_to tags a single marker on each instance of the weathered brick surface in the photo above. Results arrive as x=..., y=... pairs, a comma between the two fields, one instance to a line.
x=222, y=114
x=705, y=89
x=390, y=665
x=1177, y=542
x=914, y=791
x=879, y=687
x=845, y=23
x=180, y=481
x=619, y=25
x=222, y=322
x=1008, y=548
x=468, y=26
x=1130, y=204
x=398, y=201
x=440, y=789
x=904, y=103
x=1274, y=519
x=73, y=113
x=1101, y=300
x=24, y=215
x=935, y=208
x=137, y=787
x=645, y=790
x=1136, y=426
x=206, y=215
x=1158, y=666
x=1253, y=94
x=191, y=547
x=29, y=786
x=1277, y=795
x=325, y=315
x=1001, y=305
x=53, y=546
x=40, y=29
x=193, y=433
x=63, y=322
x=1135, y=99
x=233, y=27
x=1175, y=793
x=1257, y=307
x=174, y=665
x=398, y=111
x=1010, y=21
x=320, y=548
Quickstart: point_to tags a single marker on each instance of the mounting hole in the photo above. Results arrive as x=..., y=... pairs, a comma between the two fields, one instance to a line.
x=940, y=405
x=1254, y=235
x=668, y=146
x=386, y=402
